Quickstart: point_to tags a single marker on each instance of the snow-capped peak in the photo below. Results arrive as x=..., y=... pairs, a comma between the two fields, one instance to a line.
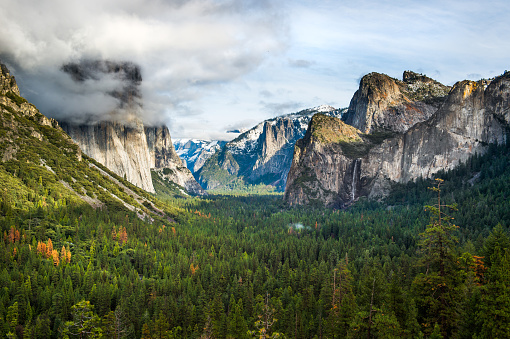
x=323, y=108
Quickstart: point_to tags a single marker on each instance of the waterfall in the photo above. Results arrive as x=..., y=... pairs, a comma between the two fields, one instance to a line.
x=353, y=190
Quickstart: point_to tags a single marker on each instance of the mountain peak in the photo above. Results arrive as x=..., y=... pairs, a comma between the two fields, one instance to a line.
x=262, y=154
x=383, y=103
x=323, y=108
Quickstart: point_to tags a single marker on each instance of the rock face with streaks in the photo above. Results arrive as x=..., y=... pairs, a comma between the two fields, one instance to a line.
x=120, y=147
x=125, y=145
x=132, y=150
x=335, y=164
x=166, y=162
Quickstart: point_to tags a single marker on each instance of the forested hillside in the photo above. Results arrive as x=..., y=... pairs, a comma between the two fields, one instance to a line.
x=236, y=264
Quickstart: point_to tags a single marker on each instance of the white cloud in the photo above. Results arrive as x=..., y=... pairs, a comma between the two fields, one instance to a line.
x=183, y=47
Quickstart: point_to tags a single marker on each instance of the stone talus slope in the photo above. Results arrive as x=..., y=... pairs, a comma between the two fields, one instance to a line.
x=385, y=104
x=336, y=172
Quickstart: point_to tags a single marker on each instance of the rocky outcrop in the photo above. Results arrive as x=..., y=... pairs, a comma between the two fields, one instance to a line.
x=385, y=104
x=7, y=82
x=262, y=155
x=166, y=162
x=10, y=97
x=161, y=149
x=336, y=170
x=132, y=150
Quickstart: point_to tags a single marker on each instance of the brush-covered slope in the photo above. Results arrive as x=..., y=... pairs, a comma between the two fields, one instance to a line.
x=41, y=166
x=336, y=170
x=261, y=155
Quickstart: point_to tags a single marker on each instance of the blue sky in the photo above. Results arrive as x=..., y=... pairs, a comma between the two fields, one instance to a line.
x=213, y=65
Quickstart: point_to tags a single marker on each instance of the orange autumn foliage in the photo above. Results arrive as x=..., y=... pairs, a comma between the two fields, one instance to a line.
x=46, y=250
x=120, y=236
x=14, y=235
x=202, y=215
x=54, y=256
x=49, y=248
x=193, y=268
x=65, y=255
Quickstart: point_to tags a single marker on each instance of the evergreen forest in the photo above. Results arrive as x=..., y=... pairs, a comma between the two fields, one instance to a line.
x=430, y=261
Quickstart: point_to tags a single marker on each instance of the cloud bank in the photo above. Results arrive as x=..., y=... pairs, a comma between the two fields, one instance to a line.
x=182, y=47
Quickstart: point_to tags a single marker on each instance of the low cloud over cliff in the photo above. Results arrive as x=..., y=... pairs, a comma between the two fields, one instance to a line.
x=182, y=47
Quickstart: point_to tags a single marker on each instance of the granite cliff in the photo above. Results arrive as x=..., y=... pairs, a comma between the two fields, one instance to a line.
x=121, y=142
x=166, y=163
x=335, y=163
x=385, y=104
x=261, y=155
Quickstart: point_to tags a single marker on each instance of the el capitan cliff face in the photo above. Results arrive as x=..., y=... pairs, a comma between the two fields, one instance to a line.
x=122, y=148
x=121, y=141
x=337, y=173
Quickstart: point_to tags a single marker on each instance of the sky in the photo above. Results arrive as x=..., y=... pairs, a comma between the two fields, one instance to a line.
x=209, y=66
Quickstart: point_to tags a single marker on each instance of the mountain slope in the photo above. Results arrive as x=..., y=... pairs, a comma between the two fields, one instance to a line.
x=41, y=166
x=261, y=155
x=336, y=172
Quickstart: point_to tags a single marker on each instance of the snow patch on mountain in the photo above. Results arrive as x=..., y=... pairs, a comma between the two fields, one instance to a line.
x=194, y=152
x=248, y=141
x=262, y=154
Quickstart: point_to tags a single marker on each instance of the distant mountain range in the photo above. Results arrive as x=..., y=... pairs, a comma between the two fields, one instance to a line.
x=195, y=152
x=261, y=155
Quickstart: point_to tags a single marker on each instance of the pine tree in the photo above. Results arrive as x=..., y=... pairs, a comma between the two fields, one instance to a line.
x=343, y=304
x=437, y=290
x=236, y=325
x=85, y=324
x=161, y=327
x=12, y=316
